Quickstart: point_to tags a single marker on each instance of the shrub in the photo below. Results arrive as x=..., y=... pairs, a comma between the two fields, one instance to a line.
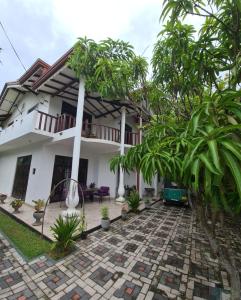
x=17, y=203
x=83, y=223
x=105, y=212
x=65, y=232
x=134, y=201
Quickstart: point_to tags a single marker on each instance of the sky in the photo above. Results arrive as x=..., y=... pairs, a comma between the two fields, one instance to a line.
x=46, y=29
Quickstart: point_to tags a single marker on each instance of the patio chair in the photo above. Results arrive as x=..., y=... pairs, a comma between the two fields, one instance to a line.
x=85, y=192
x=103, y=191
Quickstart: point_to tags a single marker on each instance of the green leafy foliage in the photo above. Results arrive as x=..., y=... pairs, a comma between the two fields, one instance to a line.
x=203, y=153
x=83, y=223
x=105, y=212
x=39, y=204
x=134, y=201
x=109, y=67
x=64, y=232
x=17, y=203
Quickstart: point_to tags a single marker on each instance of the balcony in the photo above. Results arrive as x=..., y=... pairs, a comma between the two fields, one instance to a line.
x=37, y=126
x=89, y=130
x=25, y=130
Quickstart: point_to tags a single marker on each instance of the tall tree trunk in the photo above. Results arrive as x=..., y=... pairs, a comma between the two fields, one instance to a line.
x=225, y=255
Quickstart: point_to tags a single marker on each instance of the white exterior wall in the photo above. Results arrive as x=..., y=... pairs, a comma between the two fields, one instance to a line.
x=36, y=182
x=43, y=154
x=105, y=176
x=27, y=102
x=55, y=106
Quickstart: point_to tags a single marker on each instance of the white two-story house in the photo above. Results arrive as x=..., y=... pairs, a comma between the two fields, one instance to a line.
x=51, y=129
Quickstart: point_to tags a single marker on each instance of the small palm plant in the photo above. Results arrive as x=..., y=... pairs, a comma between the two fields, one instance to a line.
x=105, y=221
x=83, y=226
x=134, y=201
x=38, y=211
x=64, y=232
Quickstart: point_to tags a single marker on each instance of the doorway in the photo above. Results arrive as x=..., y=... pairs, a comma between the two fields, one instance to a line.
x=128, y=135
x=62, y=170
x=21, y=177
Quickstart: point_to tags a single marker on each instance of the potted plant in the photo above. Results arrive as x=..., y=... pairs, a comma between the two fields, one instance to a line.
x=3, y=197
x=134, y=201
x=105, y=221
x=16, y=204
x=65, y=232
x=124, y=211
x=38, y=213
x=83, y=227
x=92, y=185
x=147, y=203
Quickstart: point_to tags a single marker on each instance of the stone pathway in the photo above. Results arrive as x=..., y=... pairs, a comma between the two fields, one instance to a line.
x=158, y=254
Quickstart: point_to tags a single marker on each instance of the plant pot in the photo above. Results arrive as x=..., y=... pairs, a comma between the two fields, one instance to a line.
x=83, y=235
x=147, y=205
x=3, y=198
x=38, y=216
x=105, y=224
x=16, y=210
x=124, y=216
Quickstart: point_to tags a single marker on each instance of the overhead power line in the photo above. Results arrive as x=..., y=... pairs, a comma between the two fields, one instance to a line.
x=14, y=50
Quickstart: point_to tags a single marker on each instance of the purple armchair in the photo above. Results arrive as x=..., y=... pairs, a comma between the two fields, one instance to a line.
x=103, y=191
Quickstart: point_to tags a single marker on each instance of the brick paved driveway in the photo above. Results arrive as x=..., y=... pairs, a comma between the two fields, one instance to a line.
x=158, y=254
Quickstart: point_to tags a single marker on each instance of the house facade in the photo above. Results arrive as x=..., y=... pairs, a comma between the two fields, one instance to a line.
x=52, y=129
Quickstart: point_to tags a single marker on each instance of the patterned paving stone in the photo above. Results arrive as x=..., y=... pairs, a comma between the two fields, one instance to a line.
x=141, y=269
x=174, y=261
x=100, y=250
x=138, y=237
x=206, y=292
x=80, y=263
x=40, y=266
x=177, y=248
x=128, y=291
x=165, y=228
x=158, y=243
x=162, y=234
x=10, y=280
x=5, y=264
x=169, y=279
x=113, y=240
x=55, y=279
x=163, y=248
x=26, y=294
x=136, y=223
x=131, y=227
x=76, y=294
x=118, y=259
x=130, y=247
x=159, y=296
x=101, y=276
x=151, y=225
x=150, y=253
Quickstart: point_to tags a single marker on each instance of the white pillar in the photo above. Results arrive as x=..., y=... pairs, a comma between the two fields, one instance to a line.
x=140, y=175
x=121, y=188
x=72, y=199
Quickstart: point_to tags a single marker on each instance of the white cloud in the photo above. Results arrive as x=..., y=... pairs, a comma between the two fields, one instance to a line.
x=47, y=28
x=100, y=19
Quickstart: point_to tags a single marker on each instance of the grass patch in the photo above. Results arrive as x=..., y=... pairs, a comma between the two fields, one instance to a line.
x=27, y=241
